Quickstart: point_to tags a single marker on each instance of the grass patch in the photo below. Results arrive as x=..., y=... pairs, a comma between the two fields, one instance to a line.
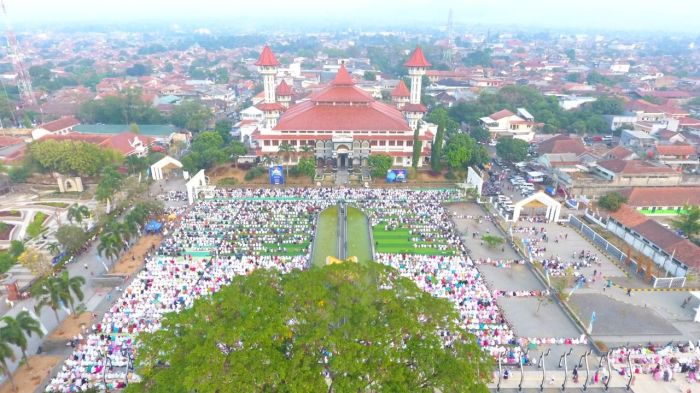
x=326, y=236
x=398, y=241
x=62, y=205
x=35, y=227
x=10, y=213
x=227, y=182
x=358, y=236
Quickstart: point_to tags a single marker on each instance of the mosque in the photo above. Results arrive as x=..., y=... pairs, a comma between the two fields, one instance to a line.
x=341, y=123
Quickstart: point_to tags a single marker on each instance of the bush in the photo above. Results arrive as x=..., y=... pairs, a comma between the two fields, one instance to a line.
x=612, y=201
x=254, y=173
x=19, y=174
x=6, y=261
x=227, y=182
x=450, y=176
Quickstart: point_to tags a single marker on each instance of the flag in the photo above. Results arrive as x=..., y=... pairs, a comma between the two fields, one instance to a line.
x=590, y=324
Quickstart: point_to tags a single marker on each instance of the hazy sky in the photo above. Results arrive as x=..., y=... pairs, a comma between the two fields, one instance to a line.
x=661, y=15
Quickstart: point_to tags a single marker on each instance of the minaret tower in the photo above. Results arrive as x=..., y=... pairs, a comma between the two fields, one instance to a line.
x=400, y=95
x=267, y=66
x=417, y=65
x=284, y=94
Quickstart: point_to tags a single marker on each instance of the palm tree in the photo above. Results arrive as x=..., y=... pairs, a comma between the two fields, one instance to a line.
x=110, y=245
x=48, y=295
x=6, y=353
x=286, y=149
x=54, y=248
x=77, y=212
x=306, y=150
x=268, y=160
x=17, y=329
x=71, y=289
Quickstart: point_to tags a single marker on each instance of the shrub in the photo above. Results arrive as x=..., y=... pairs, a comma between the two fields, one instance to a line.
x=611, y=201
x=450, y=176
x=254, y=173
x=19, y=174
x=227, y=182
x=37, y=225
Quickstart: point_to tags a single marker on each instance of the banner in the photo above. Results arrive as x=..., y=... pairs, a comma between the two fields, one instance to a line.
x=276, y=174
x=396, y=176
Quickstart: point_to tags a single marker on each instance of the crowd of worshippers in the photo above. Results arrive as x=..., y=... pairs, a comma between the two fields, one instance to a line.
x=239, y=231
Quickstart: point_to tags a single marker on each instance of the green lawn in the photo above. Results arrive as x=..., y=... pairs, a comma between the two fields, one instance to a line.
x=358, y=236
x=326, y=236
x=398, y=241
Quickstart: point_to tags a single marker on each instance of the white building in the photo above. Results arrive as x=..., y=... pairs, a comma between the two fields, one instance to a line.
x=506, y=123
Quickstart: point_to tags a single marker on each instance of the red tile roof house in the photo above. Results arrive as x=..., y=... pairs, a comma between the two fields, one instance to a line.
x=126, y=142
x=671, y=252
x=631, y=173
x=661, y=201
x=61, y=126
x=677, y=154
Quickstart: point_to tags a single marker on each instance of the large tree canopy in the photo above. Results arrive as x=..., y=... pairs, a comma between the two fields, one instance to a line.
x=511, y=149
x=72, y=157
x=588, y=119
x=341, y=328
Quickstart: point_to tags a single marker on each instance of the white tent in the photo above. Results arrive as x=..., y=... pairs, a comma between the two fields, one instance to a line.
x=539, y=200
x=166, y=162
x=196, y=183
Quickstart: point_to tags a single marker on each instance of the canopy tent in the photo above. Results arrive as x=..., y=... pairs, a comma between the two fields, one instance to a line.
x=153, y=226
x=165, y=164
x=541, y=201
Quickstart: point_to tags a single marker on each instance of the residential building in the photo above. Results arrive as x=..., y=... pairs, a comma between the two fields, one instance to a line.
x=508, y=124
x=61, y=126
x=661, y=201
x=675, y=255
x=630, y=173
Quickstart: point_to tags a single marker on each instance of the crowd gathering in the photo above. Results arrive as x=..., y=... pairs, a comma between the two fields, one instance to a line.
x=241, y=230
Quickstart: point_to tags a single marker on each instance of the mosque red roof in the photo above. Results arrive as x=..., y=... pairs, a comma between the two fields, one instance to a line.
x=267, y=58
x=417, y=59
x=400, y=90
x=283, y=89
x=414, y=108
x=342, y=106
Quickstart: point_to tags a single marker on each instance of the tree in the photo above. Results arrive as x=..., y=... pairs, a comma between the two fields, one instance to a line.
x=480, y=134
x=135, y=164
x=478, y=58
x=138, y=69
x=6, y=353
x=129, y=107
x=688, y=221
x=223, y=128
x=436, y=151
x=512, y=149
x=574, y=77
x=286, y=150
x=191, y=115
x=459, y=150
x=71, y=237
x=306, y=150
x=208, y=149
x=341, y=328
x=71, y=289
x=370, y=76
x=492, y=241
x=17, y=329
x=571, y=54
x=48, y=294
x=36, y=261
x=110, y=182
x=611, y=201
x=307, y=166
x=379, y=164
x=77, y=213
x=71, y=157
x=417, y=148
x=110, y=245
x=135, y=128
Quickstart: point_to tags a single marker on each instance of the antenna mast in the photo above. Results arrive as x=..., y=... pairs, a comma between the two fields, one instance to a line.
x=24, y=84
x=449, y=47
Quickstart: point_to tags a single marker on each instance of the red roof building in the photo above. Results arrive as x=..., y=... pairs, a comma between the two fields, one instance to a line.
x=417, y=59
x=126, y=143
x=61, y=126
x=267, y=58
x=400, y=90
x=344, y=124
